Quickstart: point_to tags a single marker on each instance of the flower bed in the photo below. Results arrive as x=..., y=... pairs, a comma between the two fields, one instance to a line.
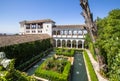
x=54, y=70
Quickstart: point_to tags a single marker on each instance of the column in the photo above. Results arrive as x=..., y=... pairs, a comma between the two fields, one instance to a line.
x=71, y=32
x=36, y=28
x=83, y=33
x=56, y=32
x=66, y=43
x=63, y=32
x=56, y=42
x=76, y=43
x=61, y=43
x=30, y=28
x=77, y=33
x=71, y=43
x=82, y=44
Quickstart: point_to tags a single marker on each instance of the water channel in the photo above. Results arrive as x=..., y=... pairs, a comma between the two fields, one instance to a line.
x=32, y=69
x=78, y=69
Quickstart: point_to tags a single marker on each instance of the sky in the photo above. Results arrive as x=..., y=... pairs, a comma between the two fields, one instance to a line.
x=61, y=11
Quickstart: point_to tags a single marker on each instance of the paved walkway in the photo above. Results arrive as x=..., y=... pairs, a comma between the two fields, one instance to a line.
x=39, y=78
x=95, y=66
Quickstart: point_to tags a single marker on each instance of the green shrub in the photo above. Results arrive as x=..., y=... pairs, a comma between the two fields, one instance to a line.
x=92, y=73
x=65, y=52
x=38, y=57
x=92, y=50
x=25, y=51
x=1, y=68
x=54, y=75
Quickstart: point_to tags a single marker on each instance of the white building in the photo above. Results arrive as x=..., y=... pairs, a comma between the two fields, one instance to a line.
x=63, y=35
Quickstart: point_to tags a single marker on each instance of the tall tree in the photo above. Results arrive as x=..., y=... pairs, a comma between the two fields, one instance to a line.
x=109, y=42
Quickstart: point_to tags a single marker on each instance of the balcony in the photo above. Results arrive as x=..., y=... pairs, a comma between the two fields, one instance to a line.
x=68, y=36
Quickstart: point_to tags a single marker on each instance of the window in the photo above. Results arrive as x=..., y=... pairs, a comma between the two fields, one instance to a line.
x=27, y=31
x=33, y=26
x=27, y=27
x=34, y=31
x=40, y=31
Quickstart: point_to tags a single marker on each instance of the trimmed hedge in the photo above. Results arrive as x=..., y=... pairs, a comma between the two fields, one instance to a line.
x=65, y=52
x=25, y=51
x=53, y=75
x=92, y=73
x=32, y=60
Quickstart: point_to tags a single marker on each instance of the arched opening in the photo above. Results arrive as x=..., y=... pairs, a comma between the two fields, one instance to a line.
x=80, y=32
x=74, y=44
x=68, y=43
x=54, y=32
x=79, y=44
x=58, y=43
x=63, y=43
x=58, y=32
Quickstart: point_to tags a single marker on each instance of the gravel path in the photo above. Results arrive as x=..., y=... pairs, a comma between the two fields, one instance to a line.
x=95, y=66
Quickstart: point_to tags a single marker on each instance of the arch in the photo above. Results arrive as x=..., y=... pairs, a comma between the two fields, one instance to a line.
x=68, y=43
x=69, y=32
x=58, y=32
x=74, y=43
x=54, y=32
x=80, y=32
x=58, y=43
x=79, y=44
x=63, y=43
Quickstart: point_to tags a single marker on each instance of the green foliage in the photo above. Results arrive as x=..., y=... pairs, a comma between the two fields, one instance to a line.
x=25, y=51
x=87, y=40
x=22, y=76
x=90, y=45
x=92, y=73
x=1, y=68
x=14, y=75
x=47, y=70
x=65, y=52
x=109, y=42
x=91, y=48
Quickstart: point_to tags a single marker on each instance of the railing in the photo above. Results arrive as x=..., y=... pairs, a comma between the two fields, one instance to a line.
x=69, y=36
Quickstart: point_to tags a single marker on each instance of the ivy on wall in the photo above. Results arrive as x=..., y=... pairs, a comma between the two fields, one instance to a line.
x=25, y=51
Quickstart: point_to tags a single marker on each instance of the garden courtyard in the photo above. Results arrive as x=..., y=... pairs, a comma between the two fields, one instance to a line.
x=61, y=65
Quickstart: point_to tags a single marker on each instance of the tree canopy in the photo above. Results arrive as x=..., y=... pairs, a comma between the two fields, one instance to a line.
x=108, y=42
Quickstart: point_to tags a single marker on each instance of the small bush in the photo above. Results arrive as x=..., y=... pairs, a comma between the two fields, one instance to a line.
x=65, y=52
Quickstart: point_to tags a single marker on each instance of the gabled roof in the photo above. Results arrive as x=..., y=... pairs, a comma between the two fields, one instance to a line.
x=36, y=21
x=17, y=39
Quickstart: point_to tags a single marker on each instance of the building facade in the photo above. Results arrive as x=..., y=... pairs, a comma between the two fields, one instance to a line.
x=71, y=36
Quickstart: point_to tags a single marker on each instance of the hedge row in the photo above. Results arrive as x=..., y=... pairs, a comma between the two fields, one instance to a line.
x=16, y=76
x=25, y=51
x=92, y=73
x=32, y=60
x=65, y=52
x=53, y=75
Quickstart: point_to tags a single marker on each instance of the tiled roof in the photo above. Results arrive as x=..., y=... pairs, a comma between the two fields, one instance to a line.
x=37, y=21
x=69, y=26
x=16, y=39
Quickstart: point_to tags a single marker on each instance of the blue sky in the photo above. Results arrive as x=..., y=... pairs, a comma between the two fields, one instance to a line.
x=61, y=11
